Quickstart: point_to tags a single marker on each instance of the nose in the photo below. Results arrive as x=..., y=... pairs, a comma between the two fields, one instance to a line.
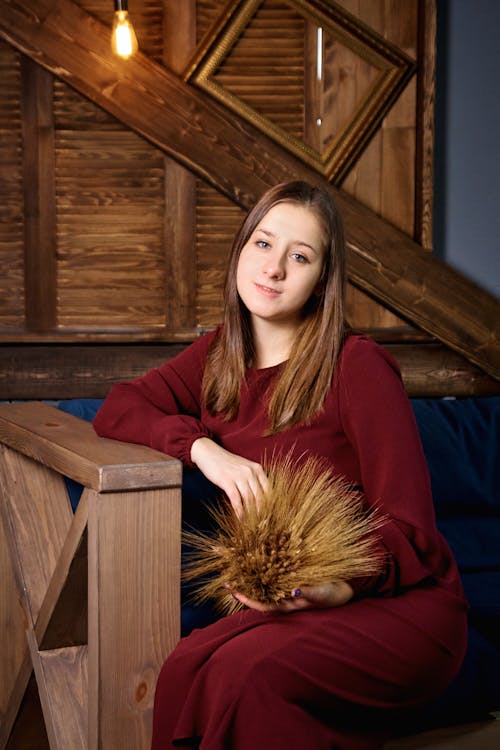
x=274, y=267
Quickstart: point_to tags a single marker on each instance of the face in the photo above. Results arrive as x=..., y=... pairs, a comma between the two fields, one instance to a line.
x=280, y=266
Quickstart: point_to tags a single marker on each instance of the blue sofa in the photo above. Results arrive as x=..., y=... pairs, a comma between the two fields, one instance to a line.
x=461, y=440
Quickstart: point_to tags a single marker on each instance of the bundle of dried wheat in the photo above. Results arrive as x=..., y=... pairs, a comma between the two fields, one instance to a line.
x=310, y=527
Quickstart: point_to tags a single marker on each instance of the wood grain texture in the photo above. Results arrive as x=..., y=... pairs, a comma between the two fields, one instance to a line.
x=15, y=665
x=426, y=92
x=70, y=446
x=87, y=371
x=62, y=680
x=76, y=371
x=241, y=163
x=11, y=191
x=110, y=220
x=217, y=221
x=15, y=690
x=39, y=516
x=39, y=196
x=179, y=33
x=134, y=579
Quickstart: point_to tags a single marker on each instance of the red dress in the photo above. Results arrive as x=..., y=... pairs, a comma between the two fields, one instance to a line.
x=331, y=678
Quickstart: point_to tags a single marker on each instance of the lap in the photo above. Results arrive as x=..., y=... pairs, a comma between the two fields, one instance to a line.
x=380, y=651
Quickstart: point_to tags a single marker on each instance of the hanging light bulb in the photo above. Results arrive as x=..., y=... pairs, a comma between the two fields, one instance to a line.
x=123, y=38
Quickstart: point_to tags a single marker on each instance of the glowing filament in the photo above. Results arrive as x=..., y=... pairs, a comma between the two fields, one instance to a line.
x=123, y=39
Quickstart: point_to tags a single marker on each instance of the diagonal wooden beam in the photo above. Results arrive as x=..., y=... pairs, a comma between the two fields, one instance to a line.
x=241, y=162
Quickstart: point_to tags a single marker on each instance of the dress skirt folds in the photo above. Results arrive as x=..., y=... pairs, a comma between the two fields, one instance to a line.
x=309, y=680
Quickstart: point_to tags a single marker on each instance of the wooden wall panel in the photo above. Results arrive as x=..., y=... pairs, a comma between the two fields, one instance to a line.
x=217, y=220
x=206, y=13
x=265, y=67
x=11, y=191
x=384, y=177
x=40, y=243
x=119, y=218
x=117, y=269
x=179, y=34
x=110, y=208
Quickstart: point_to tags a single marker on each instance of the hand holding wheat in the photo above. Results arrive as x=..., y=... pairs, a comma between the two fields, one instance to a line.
x=309, y=528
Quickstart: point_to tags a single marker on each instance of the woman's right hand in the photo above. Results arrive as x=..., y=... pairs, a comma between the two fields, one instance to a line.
x=243, y=481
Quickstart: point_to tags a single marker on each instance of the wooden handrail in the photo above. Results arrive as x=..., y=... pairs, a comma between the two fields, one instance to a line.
x=71, y=447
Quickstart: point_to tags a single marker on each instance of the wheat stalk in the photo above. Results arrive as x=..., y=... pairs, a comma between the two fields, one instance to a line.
x=310, y=527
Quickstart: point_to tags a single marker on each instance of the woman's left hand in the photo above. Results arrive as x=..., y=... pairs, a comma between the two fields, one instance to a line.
x=321, y=596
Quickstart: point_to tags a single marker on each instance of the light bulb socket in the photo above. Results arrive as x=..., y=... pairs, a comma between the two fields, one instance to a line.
x=121, y=5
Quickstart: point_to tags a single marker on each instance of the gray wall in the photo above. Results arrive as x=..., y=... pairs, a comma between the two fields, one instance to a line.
x=467, y=154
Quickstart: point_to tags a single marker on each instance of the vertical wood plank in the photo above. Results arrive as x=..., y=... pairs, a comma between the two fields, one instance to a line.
x=365, y=181
x=39, y=197
x=398, y=131
x=179, y=244
x=11, y=193
x=134, y=610
x=179, y=39
x=426, y=90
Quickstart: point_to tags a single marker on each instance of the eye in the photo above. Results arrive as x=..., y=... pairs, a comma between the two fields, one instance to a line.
x=300, y=258
x=263, y=244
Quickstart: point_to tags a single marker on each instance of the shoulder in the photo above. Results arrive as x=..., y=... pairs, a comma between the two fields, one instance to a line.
x=366, y=372
x=363, y=355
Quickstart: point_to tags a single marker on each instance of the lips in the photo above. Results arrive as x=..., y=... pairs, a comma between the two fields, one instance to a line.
x=267, y=290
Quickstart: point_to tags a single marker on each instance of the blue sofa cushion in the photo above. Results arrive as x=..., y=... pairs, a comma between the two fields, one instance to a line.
x=474, y=541
x=461, y=441
x=85, y=408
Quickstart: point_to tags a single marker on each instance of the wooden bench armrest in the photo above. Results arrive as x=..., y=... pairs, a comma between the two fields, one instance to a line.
x=69, y=445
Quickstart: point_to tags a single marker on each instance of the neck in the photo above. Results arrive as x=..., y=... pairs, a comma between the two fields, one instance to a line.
x=272, y=343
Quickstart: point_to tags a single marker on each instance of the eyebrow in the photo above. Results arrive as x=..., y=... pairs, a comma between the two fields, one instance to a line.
x=268, y=233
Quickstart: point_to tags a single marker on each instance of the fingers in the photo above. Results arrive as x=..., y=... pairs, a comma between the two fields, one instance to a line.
x=247, y=488
x=242, y=480
x=322, y=596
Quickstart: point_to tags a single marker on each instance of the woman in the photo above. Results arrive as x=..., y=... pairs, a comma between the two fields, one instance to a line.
x=332, y=665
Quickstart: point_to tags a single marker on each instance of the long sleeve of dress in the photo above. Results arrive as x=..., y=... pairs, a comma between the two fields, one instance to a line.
x=379, y=423
x=161, y=409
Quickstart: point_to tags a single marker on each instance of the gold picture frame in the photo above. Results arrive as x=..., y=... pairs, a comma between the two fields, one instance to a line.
x=395, y=70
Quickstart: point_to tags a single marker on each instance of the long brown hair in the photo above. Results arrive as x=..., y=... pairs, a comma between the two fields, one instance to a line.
x=306, y=377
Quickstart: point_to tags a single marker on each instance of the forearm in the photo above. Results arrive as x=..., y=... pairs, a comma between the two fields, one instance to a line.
x=128, y=415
